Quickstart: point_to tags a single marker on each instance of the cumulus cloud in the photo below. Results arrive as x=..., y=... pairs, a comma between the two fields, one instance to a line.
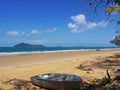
x=52, y=30
x=15, y=33
x=12, y=33
x=103, y=24
x=34, y=31
x=80, y=24
x=80, y=19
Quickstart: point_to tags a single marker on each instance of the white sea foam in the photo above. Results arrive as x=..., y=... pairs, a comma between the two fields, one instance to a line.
x=46, y=52
x=37, y=52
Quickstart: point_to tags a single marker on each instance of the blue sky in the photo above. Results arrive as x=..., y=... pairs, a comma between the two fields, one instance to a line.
x=53, y=23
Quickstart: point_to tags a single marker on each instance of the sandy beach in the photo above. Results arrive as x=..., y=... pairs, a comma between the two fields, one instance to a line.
x=24, y=66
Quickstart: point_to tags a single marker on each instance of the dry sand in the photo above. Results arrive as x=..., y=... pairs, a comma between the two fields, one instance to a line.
x=25, y=66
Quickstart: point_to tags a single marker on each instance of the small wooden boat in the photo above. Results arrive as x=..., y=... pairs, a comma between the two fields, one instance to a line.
x=57, y=81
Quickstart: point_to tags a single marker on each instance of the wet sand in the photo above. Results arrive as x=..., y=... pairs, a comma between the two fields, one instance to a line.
x=23, y=60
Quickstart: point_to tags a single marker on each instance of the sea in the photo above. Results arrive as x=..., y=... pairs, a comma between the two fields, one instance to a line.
x=12, y=51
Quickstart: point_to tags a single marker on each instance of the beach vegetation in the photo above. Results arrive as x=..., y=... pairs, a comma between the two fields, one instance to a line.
x=112, y=10
x=111, y=7
x=116, y=40
x=107, y=79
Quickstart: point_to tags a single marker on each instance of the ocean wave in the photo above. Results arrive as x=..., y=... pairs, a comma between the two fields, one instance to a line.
x=37, y=52
x=47, y=52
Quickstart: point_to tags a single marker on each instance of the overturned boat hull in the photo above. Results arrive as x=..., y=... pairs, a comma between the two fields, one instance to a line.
x=64, y=83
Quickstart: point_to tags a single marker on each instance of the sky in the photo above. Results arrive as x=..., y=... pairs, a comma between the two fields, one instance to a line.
x=53, y=23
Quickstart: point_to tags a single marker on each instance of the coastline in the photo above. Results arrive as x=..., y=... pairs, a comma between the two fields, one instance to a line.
x=25, y=60
x=24, y=66
x=11, y=51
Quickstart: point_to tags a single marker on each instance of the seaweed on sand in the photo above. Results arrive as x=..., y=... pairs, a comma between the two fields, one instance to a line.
x=85, y=67
x=106, y=83
x=19, y=84
x=107, y=79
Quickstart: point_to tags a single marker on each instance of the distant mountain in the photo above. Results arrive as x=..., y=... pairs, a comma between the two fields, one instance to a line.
x=29, y=45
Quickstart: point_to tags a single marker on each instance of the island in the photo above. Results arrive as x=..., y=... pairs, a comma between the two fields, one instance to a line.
x=27, y=45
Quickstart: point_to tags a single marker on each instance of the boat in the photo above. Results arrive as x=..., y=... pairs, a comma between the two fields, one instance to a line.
x=57, y=81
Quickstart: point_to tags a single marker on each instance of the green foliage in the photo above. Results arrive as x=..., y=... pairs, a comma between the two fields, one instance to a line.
x=117, y=1
x=107, y=79
x=116, y=40
x=112, y=6
x=112, y=10
x=118, y=22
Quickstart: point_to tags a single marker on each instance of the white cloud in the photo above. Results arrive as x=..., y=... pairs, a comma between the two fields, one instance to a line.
x=70, y=25
x=103, y=24
x=91, y=25
x=34, y=31
x=81, y=24
x=52, y=30
x=15, y=33
x=80, y=19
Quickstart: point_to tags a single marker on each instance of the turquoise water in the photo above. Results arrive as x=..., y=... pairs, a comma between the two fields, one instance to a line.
x=19, y=50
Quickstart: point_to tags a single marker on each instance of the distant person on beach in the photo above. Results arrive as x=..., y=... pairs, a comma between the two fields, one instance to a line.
x=97, y=49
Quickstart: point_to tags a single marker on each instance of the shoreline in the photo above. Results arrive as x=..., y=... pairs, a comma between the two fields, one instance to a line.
x=26, y=60
x=4, y=54
x=89, y=65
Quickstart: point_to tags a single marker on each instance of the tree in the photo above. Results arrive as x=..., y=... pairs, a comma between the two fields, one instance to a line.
x=111, y=6
x=116, y=39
